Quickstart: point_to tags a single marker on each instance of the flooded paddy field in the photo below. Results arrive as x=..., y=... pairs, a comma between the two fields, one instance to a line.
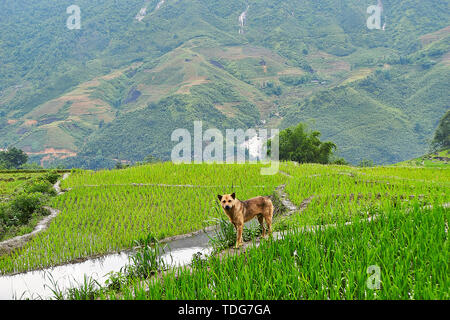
x=102, y=215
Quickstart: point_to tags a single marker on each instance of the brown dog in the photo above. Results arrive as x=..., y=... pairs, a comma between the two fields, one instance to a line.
x=240, y=212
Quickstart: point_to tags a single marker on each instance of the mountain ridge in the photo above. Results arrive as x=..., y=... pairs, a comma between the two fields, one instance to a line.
x=263, y=77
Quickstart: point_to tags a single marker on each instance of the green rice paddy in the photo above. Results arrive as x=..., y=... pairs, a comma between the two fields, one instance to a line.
x=408, y=251
x=107, y=211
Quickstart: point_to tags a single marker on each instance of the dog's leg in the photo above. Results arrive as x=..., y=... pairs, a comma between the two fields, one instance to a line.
x=261, y=222
x=271, y=217
x=239, y=229
x=269, y=223
x=237, y=234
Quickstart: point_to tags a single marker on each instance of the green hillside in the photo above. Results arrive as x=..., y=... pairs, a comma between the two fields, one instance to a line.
x=438, y=159
x=399, y=105
x=117, y=88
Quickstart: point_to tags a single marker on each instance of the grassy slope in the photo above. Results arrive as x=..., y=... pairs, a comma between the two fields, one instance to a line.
x=404, y=101
x=73, y=101
x=408, y=242
x=113, y=211
x=431, y=160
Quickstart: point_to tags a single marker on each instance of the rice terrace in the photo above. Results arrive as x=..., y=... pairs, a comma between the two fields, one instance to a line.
x=341, y=221
x=225, y=158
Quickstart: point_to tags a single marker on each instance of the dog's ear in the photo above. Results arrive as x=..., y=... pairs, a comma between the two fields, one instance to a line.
x=220, y=197
x=233, y=195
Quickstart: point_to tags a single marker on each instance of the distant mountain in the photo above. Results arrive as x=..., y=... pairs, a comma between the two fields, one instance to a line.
x=136, y=70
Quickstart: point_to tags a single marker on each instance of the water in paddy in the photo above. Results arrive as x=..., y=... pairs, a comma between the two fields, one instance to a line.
x=38, y=284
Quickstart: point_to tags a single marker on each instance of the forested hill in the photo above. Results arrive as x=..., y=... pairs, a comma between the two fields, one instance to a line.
x=136, y=70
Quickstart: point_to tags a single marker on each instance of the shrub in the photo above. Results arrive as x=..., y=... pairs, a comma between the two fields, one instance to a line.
x=42, y=186
x=366, y=163
x=51, y=176
x=43, y=183
x=340, y=161
x=27, y=202
x=24, y=205
x=3, y=214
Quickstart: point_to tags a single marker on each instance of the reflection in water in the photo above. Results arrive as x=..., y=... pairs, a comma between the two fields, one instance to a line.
x=37, y=284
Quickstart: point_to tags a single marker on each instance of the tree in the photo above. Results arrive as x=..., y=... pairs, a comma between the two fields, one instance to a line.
x=366, y=163
x=441, y=139
x=151, y=159
x=297, y=144
x=120, y=165
x=339, y=161
x=13, y=158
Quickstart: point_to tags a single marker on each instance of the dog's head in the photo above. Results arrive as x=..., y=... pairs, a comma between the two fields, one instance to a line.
x=227, y=201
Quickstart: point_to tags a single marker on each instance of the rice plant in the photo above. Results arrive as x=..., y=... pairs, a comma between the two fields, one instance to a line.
x=148, y=259
x=106, y=211
x=224, y=236
x=410, y=250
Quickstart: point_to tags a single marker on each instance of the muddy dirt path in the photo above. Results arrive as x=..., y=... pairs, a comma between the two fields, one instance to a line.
x=160, y=185
x=9, y=245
